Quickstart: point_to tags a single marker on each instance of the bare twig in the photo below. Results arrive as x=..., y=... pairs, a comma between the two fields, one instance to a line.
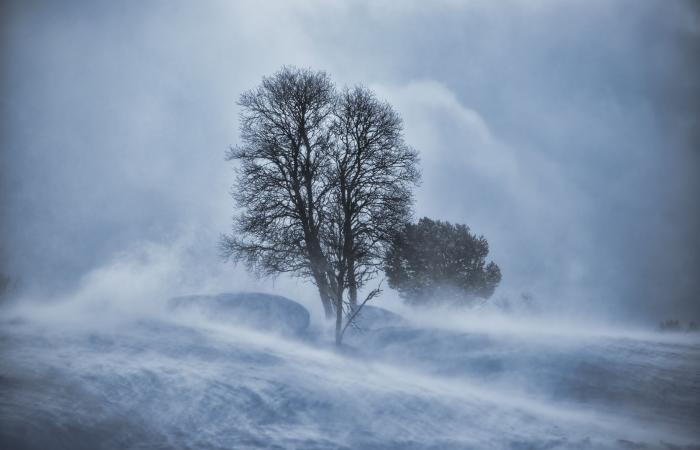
x=373, y=293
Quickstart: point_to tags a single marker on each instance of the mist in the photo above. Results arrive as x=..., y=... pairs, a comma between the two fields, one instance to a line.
x=115, y=367
x=565, y=133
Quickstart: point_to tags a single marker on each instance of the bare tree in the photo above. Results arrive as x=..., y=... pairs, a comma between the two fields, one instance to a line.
x=373, y=173
x=324, y=180
x=281, y=184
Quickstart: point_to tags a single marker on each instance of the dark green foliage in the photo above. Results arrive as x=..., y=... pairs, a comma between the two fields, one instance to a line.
x=438, y=262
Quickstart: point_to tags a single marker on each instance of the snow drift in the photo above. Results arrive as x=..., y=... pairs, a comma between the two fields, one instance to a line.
x=263, y=312
x=192, y=380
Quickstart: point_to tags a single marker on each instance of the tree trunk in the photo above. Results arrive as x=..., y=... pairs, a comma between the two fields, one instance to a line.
x=352, y=284
x=318, y=265
x=339, y=323
x=324, y=292
x=325, y=300
x=338, y=304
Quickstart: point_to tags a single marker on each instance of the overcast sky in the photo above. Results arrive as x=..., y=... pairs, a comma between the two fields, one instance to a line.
x=565, y=132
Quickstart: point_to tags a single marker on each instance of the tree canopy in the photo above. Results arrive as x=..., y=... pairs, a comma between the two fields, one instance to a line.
x=433, y=262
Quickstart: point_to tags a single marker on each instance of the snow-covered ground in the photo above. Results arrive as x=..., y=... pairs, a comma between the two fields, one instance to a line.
x=191, y=380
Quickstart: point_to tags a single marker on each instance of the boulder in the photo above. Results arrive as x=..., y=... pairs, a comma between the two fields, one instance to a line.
x=255, y=310
x=373, y=317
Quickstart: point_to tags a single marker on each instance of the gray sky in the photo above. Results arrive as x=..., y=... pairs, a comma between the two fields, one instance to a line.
x=565, y=132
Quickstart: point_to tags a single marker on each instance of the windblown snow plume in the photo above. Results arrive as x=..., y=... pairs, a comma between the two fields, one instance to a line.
x=206, y=372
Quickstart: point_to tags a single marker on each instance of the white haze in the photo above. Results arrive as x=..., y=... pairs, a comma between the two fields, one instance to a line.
x=562, y=132
x=114, y=364
x=566, y=133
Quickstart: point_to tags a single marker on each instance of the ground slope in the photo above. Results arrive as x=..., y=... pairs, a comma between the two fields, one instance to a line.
x=182, y=382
